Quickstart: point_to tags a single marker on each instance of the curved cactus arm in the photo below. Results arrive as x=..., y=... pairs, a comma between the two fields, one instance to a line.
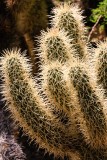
x=69, y=18
x=99, y=63
x=93, y=123
x=28, y=109
x=55, y=52
x=55, y=86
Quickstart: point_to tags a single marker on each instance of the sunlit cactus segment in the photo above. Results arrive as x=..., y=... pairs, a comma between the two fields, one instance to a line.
x=69, y=18
x=100, y=65
x=55, y=86
x=55, y=46
x=91, y=107
x=27, y=107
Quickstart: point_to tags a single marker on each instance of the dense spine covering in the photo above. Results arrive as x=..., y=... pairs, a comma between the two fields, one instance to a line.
x=70, y=88
x=100, y=64
x=56, y=55
x=54, y=45
x=69, y=18
x=57, y=88
x=25, y=104
x=93, y=110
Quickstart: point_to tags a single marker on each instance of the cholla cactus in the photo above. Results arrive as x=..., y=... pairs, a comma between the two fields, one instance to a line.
x=67, y=109
x=69, y=18
x=100, y=65
x=50, y=134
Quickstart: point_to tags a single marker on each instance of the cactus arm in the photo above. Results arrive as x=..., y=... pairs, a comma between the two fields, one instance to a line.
x=56, y=87
x=56, y=55
x=99, y=63
x=27, y=107
x=69, y=18
x=92, y=107
x=55, y=52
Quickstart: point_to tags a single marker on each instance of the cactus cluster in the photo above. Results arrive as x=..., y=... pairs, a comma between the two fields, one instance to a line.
x=64, y=108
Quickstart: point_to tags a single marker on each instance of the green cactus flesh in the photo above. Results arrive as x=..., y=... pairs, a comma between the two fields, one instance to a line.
x=53, y=44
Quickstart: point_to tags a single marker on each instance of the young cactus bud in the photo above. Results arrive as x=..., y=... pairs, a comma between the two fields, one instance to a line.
x=92, y=107
x=69, y=18
x=27, y=106
x=55, y=46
